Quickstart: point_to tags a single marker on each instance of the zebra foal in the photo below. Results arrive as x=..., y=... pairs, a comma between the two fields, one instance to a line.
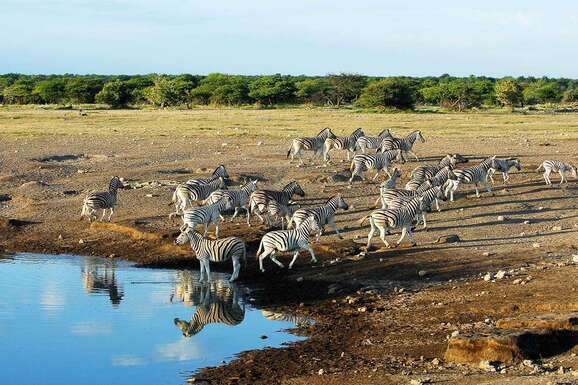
x=220, y=250
x=105, y=200
x=559, y=167
x=259, y=199
x=473, y=175
x=365, y=143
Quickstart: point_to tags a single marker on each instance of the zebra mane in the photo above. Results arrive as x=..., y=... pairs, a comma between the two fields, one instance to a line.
x=326, y=129
x=384, y=132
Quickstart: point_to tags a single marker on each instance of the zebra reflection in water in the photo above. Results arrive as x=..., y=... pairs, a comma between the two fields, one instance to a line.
x=217, y=302
x=99, y=277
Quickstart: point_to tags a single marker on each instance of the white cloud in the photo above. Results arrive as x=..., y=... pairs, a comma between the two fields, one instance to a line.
x=90, y=328
x=127, y=360
x=184, y=349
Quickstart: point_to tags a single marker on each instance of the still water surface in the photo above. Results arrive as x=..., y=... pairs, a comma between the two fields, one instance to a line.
x=87, y=320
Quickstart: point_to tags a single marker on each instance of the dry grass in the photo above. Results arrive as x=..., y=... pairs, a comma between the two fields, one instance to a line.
x=279, y=123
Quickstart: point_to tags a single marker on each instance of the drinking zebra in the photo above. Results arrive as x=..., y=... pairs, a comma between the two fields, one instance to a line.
x=342, y=143
x=207, y=250
x=281, y=211
x=378, y=162
x=314, y=144
x=475, y=175
x=186, y=193
x=405, y=144
x=504, y=166
x=386, y=219
x=324, y=215
x=365, y=143
x=105, y=200
x=424, y=172
x=559, y=167
x=215, y=306
x=207, y=214
x=260, y=199
x=287, y=240
x=220, y=171
x=239, y=199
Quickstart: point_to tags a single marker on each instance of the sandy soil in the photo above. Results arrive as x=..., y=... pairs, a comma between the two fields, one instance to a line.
x=378, y=320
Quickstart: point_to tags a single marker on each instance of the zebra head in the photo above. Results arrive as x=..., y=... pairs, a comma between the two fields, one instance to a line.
x=295, y=188
x=419, y=136
x=338, y=202
x=188, y=329
x=115, y=184
x=396, y=173
x=250, y=186
x=516, y=163
x=358, y=133
x=384, y=133
x=221, y=171
x=222, y=183
x=187, y=235
x=326, y=133
x=459, y=159
x=309, y=225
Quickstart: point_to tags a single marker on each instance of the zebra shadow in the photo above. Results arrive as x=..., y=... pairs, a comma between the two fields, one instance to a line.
x=215, y=302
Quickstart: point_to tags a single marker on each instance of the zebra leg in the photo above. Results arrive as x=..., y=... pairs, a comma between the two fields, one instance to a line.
x=376, y=175
x=437, y=205
x=248, y=216
x=424, y=220
x=412, y=153
x=547, y=177
x=382, y=234
x=488, y=189
x=236, y=268
x=477, y=191
x=404, y=232
x=234, y=214
x=506, y=177
x=103, y=215
x=370, y=234
x=294, y=259
x=217, y=229
x=202, y=268
x=490, y=175
x=274, y=259
x=208, y=269
x=262, y=257
x=111, y=212
x=332, y=223
x=206, y=230
x=562, y=177
x=308, y=248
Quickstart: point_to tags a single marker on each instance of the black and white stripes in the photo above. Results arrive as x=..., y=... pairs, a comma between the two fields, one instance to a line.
x=186, y=193
x=208, y=214
x=314, y=143
x=377, y=162
x=324, y=215
x=239, y=198
x=404, y=144
x=365, y=143
x=558, y=166
x=105, y=200
x=260, y=199
x=347, y=143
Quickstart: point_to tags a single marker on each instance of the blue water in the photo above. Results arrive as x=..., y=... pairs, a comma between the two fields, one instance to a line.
x=86, y=320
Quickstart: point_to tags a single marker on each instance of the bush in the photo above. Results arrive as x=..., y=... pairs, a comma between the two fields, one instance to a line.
x=114, y=93
x=508, y=92
x=82, y=89
x=457, y=94
x=50, y=91
x=390, y=92
x=269, y=90
x=20, y=92
x=571, y=95
x=542, y=91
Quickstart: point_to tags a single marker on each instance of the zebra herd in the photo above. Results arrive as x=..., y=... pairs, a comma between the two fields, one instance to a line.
x=401, y=208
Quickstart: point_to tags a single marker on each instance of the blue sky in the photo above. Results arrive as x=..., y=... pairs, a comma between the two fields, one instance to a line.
x=315, y=37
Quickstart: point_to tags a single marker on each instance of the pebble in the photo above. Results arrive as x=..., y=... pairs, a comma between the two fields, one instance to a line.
x=501, y=218
x=60, y=237
x=259, y=143
x=263, y=337
x=575, y=258
x=320, y=372
x=517, y=281
x=299, y=279
x=435, y=361
x=149, y=195
x=526, y=222
x=556, y=228
x=535, y=245
x=422, y=273
x=81, y=241
x=500, y=274
x=455, y=333
x=488, y=277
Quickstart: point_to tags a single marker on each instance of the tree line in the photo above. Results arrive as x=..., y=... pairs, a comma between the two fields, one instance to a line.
x=402, y=92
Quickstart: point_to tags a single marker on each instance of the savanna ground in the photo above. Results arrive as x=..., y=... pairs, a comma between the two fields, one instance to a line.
x=378, y=320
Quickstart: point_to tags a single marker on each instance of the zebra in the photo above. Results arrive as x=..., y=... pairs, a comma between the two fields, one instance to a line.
x=433, y=194
x=185, y=194
x=323, y=215
x=314, y=144
x=297, y=320
x=220, y=250
x=259, y=199
x=385, y=219
x=207, y=214
x=504, y=166
x=372, y=142
x=281, y=211
x=342, y=143
x=387, y=195
x=377, y=162
x=437, y=180
x=287, y=240
x=215, y=306
x=559, y=167
x=220, y=171
x=475, y=175
x=239, y=198
x=101, y=200
x=424, y=172
x=405, y=144
x=389, y=183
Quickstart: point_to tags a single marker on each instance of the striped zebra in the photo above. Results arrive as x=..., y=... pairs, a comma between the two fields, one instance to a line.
x=342, y=143
x=431, y=195
x=386, y=219
x=287, y=240
x=437, y=180
x=388, y=184
x=239, y=198
x=472, y=175
x=259, y=199
x=377, y=162
x=185, y=194
x=504, y=166
x=314, y=144
x=365, y=143
x=324, y=215
x=386, y=194
x=215, y=306
x=207, y=214
x=424, y=172
x=207, y=250
x=281, y=211
x=404, y=144
x=297, y=320
x=220, y=171
x=105, y=200
x=559, y=167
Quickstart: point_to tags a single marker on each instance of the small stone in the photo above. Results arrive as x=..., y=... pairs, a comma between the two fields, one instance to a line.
x=487, y=366
x=528, y=363
x=263, y=337
x=556, y=228
x=501, y=218
x=575, y=258
x=259, y=143
x=422, y=273
x=299, y=279
x=455, y=333
x=60, y=237
x=435, y=361
x=527, y=222
x=320, y=372
x=500, y=274
x=362, y=309
x=540, y=208
x=517, y=281
x=149, y=195
x=224, y=144
x=112, y=255
x=536, y=245
x=488, y=277
x=561, y=370
x=81, y=241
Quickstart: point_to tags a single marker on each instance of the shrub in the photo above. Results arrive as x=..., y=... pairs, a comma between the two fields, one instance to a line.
x=508, y=92
x=390, y=92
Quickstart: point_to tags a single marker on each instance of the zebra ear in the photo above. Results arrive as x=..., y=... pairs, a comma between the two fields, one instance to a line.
x=184, y=227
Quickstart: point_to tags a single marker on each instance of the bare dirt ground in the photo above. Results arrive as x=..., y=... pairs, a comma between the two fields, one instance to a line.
x=378, y=320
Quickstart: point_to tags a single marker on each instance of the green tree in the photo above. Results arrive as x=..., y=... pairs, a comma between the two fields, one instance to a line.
x=217, y=88
x=162, y=93
x=344, y=88
x=20, y=92
x=542, y=91
x=457, y=94
x=82, y=89
x=508, y=92
x=313, y=90
x=136, y=88
x=51, y=91
x=389, y=92
x=571, y=95
x=273, y=89
x=114, y=93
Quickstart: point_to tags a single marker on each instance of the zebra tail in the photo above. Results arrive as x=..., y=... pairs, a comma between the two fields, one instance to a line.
x=540, y=166
x=174, y=198
x=363, y=219
x=289, y=152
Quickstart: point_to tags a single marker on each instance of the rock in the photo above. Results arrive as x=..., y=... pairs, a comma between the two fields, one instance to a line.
x=259, y=143
x=455, y=333
x=452, y=238
x=487, y=366
x=299, y=279
x=340, y=177
x=263, y=337
x=362, y=309
x=561, y=370
x=112, y=255
x=575, y=258
x=527, y=222
x=60, y=237
x=81, y=241
x=435, y=361
x=536, y=245
x=320, y=372
x=517, y=281
x=544, y=322
x=488, y=277
x=422, y=273
x=501, y=218
x=486, y=254
x=556, y=228
x=149, y=195
x=500, y=274
x=224, y=144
